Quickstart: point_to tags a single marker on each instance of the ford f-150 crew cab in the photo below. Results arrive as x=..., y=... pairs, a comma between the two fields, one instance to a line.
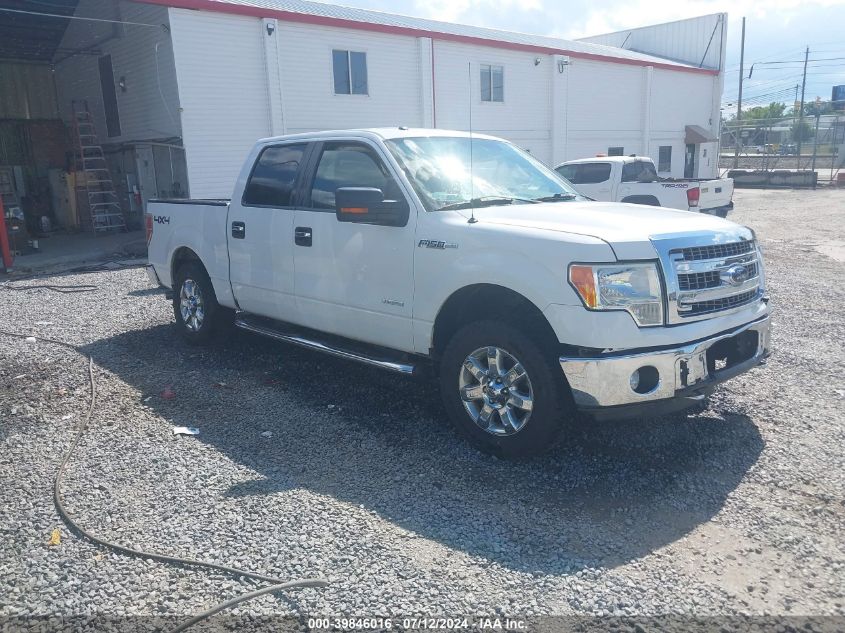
x=411, y=249
x=634, y=179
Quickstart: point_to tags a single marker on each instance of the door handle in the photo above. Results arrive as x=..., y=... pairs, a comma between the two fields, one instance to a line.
x=238, y=230
x=302, y=236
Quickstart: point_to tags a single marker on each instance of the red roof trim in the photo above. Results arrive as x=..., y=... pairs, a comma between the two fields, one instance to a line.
x=306, y=18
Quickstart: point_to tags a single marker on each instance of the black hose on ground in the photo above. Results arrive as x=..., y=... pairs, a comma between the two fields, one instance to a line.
x=63, y=289
x=278, y=584
x=110, y=265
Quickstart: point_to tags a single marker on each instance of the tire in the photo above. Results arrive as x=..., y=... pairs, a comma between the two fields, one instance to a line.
x=198, y=315
x=512, y=431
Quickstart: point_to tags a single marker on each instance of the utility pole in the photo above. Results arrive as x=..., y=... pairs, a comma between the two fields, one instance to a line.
x=739, y=98
x=800, y=128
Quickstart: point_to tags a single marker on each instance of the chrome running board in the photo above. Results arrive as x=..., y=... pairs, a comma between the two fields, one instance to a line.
x=271, y=331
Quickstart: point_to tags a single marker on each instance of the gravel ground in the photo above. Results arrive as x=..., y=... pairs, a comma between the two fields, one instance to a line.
x=308, y=465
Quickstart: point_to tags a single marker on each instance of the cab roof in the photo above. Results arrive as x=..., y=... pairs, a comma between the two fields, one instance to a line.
x=607, y=159
x=383, y=133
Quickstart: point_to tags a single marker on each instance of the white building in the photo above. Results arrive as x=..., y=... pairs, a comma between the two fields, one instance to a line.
x=212, y=76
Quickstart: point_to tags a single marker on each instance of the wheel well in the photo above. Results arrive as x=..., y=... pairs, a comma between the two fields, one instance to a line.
x=642, y=200
x=181, y=256
x=488, y=301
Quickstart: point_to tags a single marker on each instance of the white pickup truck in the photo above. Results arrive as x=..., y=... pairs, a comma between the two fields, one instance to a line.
x=634, y=179
x=407, y=249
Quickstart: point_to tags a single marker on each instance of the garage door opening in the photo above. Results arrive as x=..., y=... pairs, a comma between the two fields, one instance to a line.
x=89, y=117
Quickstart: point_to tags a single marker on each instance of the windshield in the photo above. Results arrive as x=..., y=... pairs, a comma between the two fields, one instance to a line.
x=445, y=176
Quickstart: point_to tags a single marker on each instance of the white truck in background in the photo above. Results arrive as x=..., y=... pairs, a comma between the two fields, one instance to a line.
x=412, y=249
x=634, y=179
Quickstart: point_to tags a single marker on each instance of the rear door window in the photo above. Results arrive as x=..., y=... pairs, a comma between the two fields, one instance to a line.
x=639, y=171
x=273, y=178
x=585, y=173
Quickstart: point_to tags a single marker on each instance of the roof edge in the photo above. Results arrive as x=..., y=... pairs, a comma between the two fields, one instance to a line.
x=586, y=38
x=307, y=18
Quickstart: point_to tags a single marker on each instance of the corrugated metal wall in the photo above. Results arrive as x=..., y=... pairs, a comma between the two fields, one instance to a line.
x=524, y=117
x=223, y=91
x=697, y=41
x=605, y=105
x=393, y=78
x=27, y=91
x=243, y=78
x=141, y=55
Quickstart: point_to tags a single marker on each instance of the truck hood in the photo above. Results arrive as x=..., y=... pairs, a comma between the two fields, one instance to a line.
x=628, y=228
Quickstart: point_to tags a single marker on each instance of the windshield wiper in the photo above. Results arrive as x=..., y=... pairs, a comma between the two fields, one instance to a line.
x=486, y=201
x=558, y=197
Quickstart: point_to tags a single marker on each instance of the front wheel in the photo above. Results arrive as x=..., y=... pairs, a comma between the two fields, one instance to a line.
x=502, y=391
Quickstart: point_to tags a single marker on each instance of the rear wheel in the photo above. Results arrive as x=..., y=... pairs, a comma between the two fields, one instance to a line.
x=198, y=315
x=502, y=391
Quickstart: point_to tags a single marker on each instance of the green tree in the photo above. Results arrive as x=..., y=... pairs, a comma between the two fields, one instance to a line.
x=817, y=107
x=802, y=131
x=762, y=113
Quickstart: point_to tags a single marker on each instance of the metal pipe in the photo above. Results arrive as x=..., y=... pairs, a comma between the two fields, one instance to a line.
x=815, y=147
x=739, y=99
x=4, y=240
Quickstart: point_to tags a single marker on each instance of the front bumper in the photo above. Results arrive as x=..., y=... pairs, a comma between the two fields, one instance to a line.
x=683, y=374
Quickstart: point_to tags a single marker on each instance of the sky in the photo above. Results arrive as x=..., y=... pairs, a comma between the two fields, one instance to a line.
x=776, y=30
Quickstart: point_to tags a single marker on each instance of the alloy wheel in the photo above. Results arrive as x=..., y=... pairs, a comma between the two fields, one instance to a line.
x=496, y=391
x=191, y=305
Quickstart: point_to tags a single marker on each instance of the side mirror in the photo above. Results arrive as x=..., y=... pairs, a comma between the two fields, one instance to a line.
x=366, y=205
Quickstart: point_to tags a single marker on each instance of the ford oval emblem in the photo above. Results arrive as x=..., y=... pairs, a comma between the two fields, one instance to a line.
x=736, y=275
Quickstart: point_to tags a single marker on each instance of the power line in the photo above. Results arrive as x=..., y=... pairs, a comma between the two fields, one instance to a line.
x=778, y=54
x=800, y=61
x=765, y=93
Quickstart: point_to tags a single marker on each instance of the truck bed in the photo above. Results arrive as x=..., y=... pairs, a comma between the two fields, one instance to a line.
x=198, y=226
x=716, y=194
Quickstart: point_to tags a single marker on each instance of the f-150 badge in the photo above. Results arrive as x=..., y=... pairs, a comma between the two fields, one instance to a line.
x=439, y=244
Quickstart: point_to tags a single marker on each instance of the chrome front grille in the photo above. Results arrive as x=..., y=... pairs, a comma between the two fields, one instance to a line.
x=708, y=279
x=699, y=281
x=725, y=303
x=705, y=279
x=714, y=251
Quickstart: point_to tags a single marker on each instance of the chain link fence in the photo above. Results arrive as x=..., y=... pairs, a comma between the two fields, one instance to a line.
x=816, y=144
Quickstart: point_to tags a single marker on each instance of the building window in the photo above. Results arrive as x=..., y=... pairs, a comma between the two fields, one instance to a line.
x=664, y=158
x=109, y=96
x=492, y=83
x=615, y=151
x=350, y=72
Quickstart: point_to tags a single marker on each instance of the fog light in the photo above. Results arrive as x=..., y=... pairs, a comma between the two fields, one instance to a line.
x=645, y=380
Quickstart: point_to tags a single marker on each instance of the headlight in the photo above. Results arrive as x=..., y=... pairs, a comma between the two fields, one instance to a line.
x=632, y=287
